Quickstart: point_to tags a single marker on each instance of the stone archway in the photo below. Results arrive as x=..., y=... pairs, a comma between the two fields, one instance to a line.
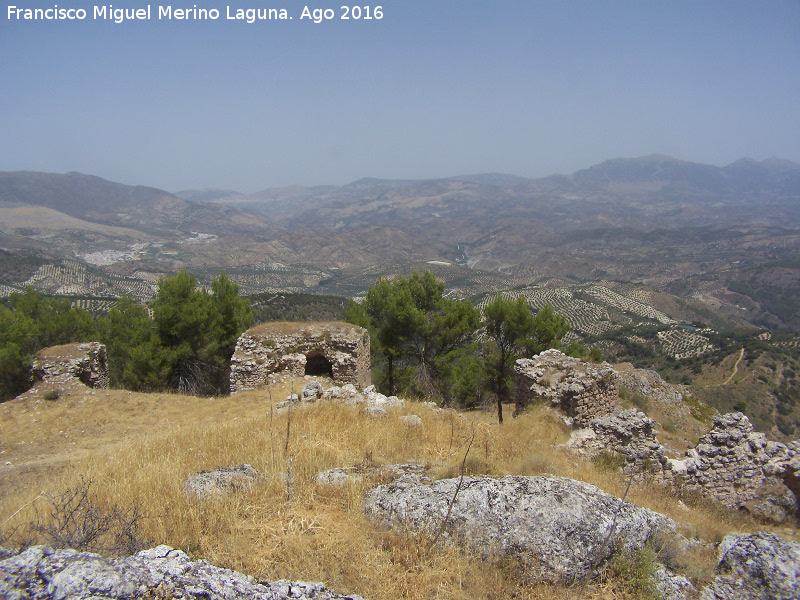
x=318, y=366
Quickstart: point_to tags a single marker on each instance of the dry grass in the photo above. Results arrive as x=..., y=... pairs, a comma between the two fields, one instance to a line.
x=139, y=448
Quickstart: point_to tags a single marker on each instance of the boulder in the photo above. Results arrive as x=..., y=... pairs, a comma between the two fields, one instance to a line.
x=41, y=573
x=413, y=421
x=376, y=412
x=758, y=566
x=670, y=586
x=558, y=528
x=221, y=481
x=311, y=391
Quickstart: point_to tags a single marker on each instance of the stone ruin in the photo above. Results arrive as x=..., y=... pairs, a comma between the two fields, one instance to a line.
x=333, y=349
x=732, y=464
x=66, y=365
x=741, y=469
x=582, y=390
x=631, y=435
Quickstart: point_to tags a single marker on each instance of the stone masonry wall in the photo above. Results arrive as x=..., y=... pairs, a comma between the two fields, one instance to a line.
x=731, y=464
x=630, y=434
x=338, y=350
x=582, y=390
x=60, y=365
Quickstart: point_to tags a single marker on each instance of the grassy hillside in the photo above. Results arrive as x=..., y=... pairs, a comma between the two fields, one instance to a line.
x=137, y=449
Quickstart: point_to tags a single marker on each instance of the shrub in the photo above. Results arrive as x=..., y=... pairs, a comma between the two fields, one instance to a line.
x=608, y=460
x=52, y=395
x=77, y=518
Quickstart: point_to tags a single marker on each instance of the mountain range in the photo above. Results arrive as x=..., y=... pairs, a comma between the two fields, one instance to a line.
x=674, y=225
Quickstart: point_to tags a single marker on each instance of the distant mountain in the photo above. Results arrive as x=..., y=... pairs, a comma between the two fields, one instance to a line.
x=645, y=193
x=677, y=226
x=149, y=209
x=207, y=195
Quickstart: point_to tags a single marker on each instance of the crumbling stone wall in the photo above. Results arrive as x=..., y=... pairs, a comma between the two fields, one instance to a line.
x=60, y=365
x=730, y=465
x=630, y=434
x=582, y=390
x=334, y=349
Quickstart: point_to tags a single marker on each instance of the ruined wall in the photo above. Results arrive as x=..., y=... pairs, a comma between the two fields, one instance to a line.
x=60, y=365
x=730, y=465
x=630, y=434
x=582, y=390
x=334, y=349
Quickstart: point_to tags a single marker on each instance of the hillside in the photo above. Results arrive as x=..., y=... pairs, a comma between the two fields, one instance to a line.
x=288, y=526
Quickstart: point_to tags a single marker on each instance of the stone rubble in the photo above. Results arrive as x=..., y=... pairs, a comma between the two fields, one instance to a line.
x=629, y=433
x=41, y=573
x=581, y=390
x=347, y=394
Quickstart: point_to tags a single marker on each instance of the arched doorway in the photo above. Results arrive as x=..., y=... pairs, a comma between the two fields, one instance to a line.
x=319, y=366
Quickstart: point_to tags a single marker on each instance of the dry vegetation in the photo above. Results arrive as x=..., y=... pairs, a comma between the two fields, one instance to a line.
x=137, y=450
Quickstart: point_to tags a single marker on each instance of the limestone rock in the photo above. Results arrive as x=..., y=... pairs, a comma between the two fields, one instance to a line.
x=556, y=527
x=758, y=566
x=376, y=412
x=311, y=391
x=221, y=481
x=671, y=586
x=41, y=573
x=411, y=420
x=343, y=476
x=582, y=390
x=649, y=384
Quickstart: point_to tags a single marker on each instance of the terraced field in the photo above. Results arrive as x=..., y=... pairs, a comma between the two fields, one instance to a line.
x=680, y=343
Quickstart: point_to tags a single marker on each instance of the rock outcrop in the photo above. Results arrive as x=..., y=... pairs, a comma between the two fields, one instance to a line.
x=729, y=463
x=629, y=433
x=649, y=384
x=61, y=366
x=41, y=573
x=582, y=390
x=219, y=482
x=336, y=350
x=559, y=529
x=758, y=566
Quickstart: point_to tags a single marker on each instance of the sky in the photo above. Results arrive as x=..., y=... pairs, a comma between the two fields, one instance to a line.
x=434, y=88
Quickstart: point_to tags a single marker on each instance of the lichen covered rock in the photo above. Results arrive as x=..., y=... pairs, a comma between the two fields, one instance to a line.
x=758, y=566
x=558, y=528
x=41, y=573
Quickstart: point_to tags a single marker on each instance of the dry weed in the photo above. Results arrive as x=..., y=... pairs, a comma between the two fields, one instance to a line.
x=139, y=448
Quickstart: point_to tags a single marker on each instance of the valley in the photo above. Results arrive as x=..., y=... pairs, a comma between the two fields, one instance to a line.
x=667, y=264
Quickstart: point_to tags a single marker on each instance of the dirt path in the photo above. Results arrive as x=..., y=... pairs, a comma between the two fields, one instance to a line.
x=735, y=368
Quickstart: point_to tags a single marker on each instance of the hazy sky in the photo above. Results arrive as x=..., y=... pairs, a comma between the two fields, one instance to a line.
x=435, y=88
